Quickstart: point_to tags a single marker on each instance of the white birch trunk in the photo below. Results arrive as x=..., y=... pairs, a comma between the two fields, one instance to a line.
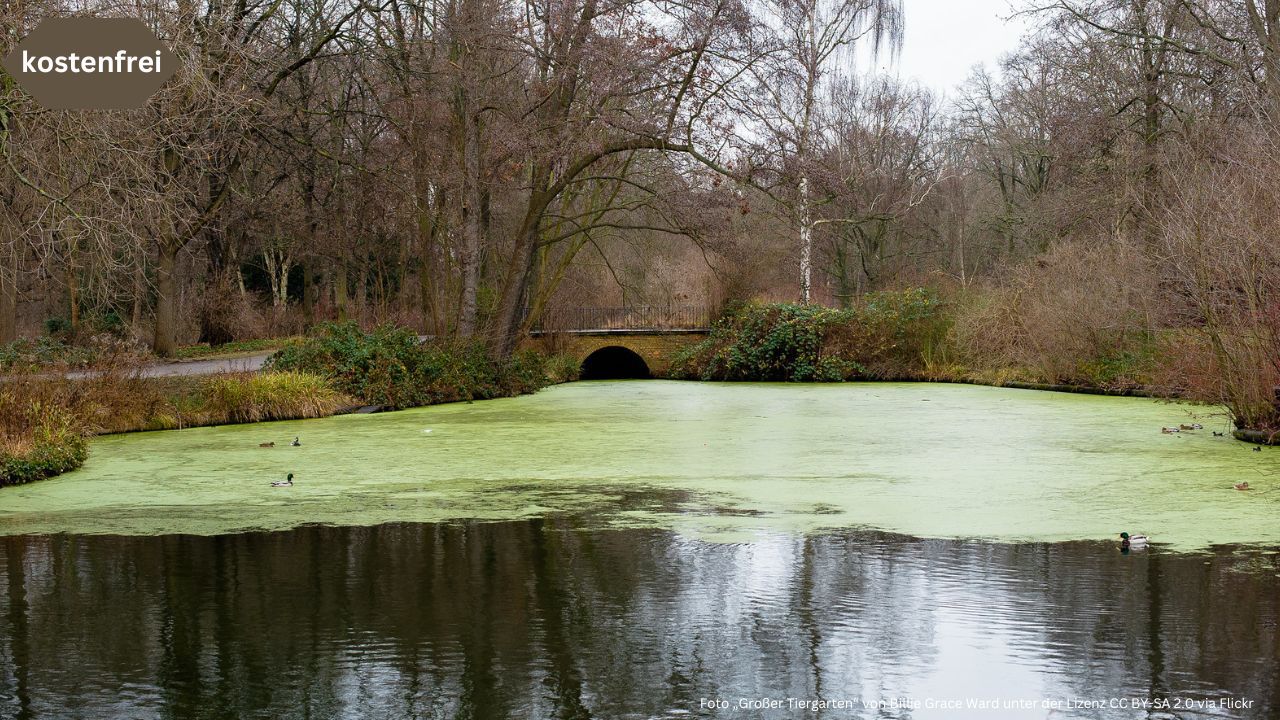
x=806, y=241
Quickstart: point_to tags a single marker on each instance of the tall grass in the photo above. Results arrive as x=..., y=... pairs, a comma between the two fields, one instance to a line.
x=45, y=420
x=38, y=439
x=268, y=396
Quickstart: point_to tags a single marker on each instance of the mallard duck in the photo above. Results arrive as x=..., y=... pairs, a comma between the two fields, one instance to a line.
x=267, y=444
x=1127, y=541
x=1242, y=485
x=1168, y=430
x=1185, y=426
x=295, y=442
x=287, y=482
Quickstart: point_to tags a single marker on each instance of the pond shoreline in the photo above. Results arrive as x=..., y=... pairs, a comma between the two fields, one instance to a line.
x=725, y=460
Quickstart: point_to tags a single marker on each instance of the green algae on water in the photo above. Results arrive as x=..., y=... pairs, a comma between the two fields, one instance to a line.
x=717, y=460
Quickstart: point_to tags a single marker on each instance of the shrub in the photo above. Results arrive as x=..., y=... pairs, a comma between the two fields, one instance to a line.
x=57, y=325
x=37, y=440
x=562, y=368
x=391, y=366
x=883, y=335
x=1078, y=314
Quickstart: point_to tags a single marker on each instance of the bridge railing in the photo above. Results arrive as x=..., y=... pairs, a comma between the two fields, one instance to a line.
x=628, y=317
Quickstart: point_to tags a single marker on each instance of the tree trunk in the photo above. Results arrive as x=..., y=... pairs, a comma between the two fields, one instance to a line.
x=308, y=295
x=166, y=328
x=341, y=292
x=9, y=297
x=362, y=292
x=510, y=315
x=471, y=225
x=73, y=296
x=806, y=241
x=278, y=266
x=307, y=262
x=139, y=294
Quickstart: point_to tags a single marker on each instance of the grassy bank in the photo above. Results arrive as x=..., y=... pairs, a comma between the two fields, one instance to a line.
x=45, y=419
x=923, y=335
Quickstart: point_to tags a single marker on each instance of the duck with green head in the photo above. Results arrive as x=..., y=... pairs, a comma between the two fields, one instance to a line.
x=1127, y=541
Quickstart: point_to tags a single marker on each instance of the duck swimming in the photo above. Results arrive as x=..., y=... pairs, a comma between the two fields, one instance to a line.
x=1242, y=485
x=1127, y=541
x=1168, y=430
x=267, y=444
x=287, y=482
x=295, y=442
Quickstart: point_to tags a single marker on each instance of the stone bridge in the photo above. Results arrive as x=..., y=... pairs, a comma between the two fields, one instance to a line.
x=618, y=353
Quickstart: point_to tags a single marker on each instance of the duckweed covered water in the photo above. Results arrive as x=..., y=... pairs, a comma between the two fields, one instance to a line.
x=717, y=461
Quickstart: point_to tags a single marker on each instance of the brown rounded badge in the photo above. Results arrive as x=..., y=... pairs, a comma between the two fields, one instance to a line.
x=80, y=63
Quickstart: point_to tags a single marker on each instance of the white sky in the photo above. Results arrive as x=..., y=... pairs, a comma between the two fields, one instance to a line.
x=945, y=39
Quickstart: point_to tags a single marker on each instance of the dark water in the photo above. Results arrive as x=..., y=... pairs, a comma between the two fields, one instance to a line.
x=536, y=619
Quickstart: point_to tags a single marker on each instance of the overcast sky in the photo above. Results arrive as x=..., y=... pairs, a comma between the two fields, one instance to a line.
x=945, y=39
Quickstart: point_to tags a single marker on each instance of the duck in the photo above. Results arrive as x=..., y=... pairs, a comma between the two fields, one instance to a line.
x=295, y=442
x=267, y=444
x=1184, y=426
x=1217, y=434
x=1169, y=430
x=1242, y=485
x=1257, y=448
x=287, y=482
x=1127, y=541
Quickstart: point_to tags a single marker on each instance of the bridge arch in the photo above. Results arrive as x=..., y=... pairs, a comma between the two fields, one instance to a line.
x=653, y=346
x=614, y=362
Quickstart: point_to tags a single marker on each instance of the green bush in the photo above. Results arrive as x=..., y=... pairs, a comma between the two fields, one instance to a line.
x=884, y=335
x=57, y=325
x=390, y=366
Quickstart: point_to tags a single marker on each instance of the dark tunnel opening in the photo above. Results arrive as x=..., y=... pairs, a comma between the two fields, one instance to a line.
x=614, y=363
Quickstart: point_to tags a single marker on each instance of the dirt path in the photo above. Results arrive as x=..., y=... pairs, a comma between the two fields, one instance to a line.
x=247, y=362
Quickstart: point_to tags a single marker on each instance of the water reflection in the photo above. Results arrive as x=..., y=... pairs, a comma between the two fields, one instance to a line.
x=539, y=619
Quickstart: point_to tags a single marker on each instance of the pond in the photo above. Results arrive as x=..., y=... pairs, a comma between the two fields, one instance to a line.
x=656, y=549
x=545, y=618
x=717, y=461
